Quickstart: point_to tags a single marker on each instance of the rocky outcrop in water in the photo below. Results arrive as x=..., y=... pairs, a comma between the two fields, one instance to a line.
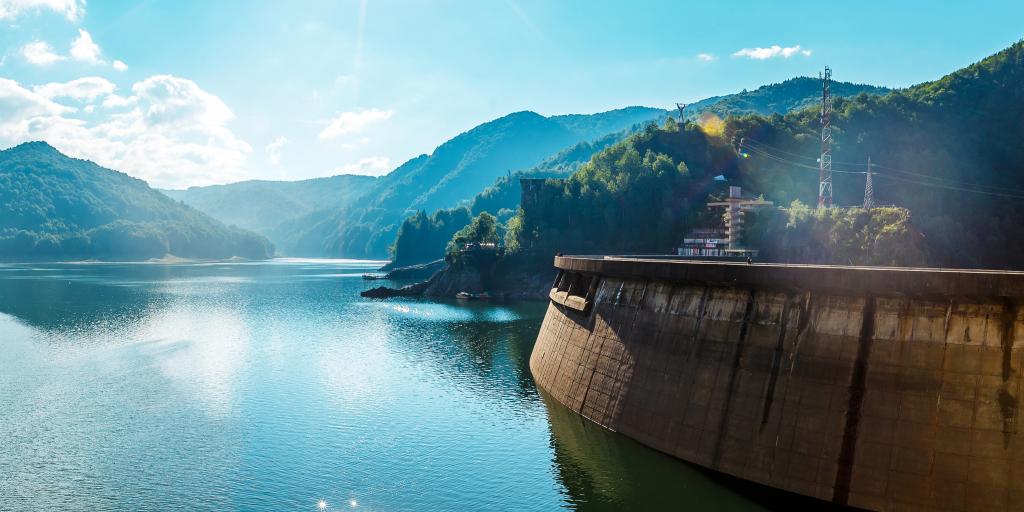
x=421, y=271
x=502, y=280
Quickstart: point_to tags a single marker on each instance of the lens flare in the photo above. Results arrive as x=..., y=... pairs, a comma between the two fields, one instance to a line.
x=711, y=124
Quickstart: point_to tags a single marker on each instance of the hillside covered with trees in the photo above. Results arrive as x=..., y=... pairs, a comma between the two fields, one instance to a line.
x=455, y=172
x=53, y=207
x=788, y=96
x=502, y=197
x=948, y=171
x=945, y=150
x=267, y=207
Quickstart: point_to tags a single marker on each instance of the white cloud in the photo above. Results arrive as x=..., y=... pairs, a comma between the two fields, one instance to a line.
x=87, y=89
x=169, y=101
x=371, y=166
x=274, y=149
x=73, y=10
x=84, y=49
x=116, y=100
x=771, y=52
x=706, y=57
x=120, y=66
x=40, y=53
x=174, y=134
x=353, y=122
x=18, y=104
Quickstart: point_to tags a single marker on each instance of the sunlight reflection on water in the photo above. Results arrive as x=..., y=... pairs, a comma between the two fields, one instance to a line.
x=273, y=385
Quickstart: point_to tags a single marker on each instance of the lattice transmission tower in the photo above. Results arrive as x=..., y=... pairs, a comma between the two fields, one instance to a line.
x=869, y=189
x=825, y=174
x=682, y=118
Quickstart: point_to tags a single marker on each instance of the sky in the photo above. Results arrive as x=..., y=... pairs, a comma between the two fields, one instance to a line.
x=183, y=93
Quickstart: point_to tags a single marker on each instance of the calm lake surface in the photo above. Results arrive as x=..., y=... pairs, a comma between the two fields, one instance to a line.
x=273, y=385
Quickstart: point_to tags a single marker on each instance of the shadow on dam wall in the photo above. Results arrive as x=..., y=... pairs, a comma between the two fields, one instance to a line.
x=876, y=388
x=602, y=471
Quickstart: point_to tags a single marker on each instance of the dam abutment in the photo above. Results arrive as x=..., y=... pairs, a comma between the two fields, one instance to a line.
x=873, y=387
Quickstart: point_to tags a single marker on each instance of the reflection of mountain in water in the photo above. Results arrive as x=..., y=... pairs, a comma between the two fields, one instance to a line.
x=602, y=470
x=70, y=298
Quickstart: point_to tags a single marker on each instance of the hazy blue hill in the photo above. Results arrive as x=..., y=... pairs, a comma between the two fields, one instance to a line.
x=592, y=126
x=455, y=172
x=268, y=207
x=314, y=234
x=54, y=207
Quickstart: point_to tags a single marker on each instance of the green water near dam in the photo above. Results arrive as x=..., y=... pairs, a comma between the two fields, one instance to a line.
x=273, y=386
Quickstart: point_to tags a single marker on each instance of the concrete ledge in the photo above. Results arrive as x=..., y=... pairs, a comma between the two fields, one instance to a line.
x=569, y=301
x=877, y=281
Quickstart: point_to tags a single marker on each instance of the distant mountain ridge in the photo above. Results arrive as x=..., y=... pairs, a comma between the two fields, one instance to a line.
x=786, y=96
x=267, y=207
x=455, y=172
x=479, y=168
x=54, y=207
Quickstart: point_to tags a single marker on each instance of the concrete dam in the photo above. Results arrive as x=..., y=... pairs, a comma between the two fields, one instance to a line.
x=880, y=388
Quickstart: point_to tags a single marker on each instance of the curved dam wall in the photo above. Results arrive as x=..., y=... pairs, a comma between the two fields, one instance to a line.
x=879, y=388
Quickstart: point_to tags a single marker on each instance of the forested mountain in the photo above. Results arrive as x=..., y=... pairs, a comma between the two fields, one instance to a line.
x=946, y=158
x=781, y=98
x=947, y=150
x=504, y=194
x=793, y=94
x=267, y=207
x=455, y=172
x=53, y=207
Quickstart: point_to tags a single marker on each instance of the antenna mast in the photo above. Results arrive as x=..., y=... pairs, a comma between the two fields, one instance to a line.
x=869, y=190
x=825, y=174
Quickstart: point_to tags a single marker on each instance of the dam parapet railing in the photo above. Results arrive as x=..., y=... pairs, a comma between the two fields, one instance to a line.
x=877, y=387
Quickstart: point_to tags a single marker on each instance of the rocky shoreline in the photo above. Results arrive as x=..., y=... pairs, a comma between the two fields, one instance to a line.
x=499, y=282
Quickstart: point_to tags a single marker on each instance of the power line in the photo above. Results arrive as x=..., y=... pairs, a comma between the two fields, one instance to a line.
x=951, y=187
x=963, y=187
x=766, y=148
x=780, y=150
x=762, y=152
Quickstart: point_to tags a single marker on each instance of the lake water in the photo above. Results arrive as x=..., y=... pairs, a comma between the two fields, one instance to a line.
x=273, y=386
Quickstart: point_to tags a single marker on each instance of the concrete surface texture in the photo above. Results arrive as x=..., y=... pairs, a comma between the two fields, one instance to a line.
x=883, y=389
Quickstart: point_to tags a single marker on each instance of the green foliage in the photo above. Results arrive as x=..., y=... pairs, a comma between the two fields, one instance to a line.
x=854, y=236
x=961, y=129
x=791, y=95
x=513, y=232
x=770, y=99
x=636, y=196
x=455, y=172
x=57, y=208
x=482, y=230
x=422, y=238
